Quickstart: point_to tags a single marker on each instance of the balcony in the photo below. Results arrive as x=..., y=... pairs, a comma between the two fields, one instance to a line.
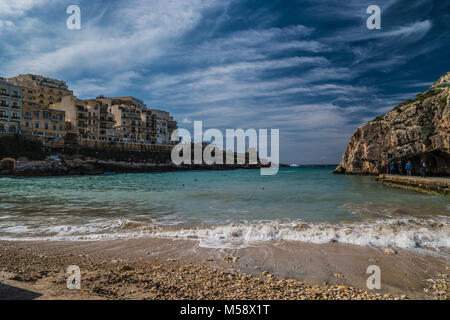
x=82, y=109
x=27, y=116
x=15, y=119
x=3, y=116
x=4, y=94
x=16, y=107
x=16, y=97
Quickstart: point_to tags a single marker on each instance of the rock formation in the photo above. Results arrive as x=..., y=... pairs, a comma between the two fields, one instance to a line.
x=413, y=130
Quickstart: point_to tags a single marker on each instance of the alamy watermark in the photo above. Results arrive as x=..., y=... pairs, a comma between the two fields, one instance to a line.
x=73, y=22
x=374, y=281
x=74, y=280
x=374, y=20
x=235, y=146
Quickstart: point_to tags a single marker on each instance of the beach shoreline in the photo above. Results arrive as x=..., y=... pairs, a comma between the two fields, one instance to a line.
x=156, y=268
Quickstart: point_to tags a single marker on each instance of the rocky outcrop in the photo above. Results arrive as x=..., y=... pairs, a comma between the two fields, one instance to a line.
x=413, y=130
x=65, y=167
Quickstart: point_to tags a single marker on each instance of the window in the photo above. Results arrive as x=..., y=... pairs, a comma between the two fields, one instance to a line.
x=60, y=128
x=46, y=126
x=27, y=124
x=3, y=92
x=37, y=115
x=60, y=117
x=37, y=125
x=54, y=128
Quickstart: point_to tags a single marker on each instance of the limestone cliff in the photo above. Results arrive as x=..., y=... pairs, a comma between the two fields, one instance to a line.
x=413, y=130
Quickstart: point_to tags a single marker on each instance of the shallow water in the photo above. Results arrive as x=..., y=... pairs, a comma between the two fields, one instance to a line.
x=224, y=208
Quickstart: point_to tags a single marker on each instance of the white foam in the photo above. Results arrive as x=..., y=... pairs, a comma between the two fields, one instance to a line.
x=408, y=233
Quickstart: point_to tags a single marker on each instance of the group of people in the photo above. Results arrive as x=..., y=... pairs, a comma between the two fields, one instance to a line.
x=398, y=168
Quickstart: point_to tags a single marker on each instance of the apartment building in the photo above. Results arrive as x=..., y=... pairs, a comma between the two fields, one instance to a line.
x=40, y=94
x=106, y=122
x=92, y=118
x=10, y=107
x=127, y=113
x=42, y=106
x=165, y=126
x=48, y=123
x=149, y=120
x=41, y=91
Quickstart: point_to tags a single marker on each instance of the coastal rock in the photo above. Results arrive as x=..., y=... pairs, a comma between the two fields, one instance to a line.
x=413, y=130
x=390, y=251
x=65, y=166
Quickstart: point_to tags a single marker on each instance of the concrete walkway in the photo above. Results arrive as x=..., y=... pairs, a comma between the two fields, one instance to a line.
x=432, y=185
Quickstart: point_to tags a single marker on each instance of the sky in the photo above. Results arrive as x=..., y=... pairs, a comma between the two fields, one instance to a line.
x=310, y=68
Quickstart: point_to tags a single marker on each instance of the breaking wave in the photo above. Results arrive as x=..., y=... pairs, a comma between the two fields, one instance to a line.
x=407, y=233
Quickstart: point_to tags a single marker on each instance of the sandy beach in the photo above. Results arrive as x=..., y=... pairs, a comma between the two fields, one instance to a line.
x=152, y=268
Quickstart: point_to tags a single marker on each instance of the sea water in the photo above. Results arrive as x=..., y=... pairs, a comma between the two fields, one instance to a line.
x=235, y=208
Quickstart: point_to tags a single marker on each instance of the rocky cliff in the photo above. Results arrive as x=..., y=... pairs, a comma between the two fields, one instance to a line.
x=413, y=130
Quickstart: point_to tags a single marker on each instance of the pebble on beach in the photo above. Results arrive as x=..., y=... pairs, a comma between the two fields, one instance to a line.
x=145, y=279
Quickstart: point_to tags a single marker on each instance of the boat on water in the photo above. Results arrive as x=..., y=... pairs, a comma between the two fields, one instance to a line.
x=294, y=165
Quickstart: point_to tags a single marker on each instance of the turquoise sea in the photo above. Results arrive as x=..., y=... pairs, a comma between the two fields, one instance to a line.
x=224, y=209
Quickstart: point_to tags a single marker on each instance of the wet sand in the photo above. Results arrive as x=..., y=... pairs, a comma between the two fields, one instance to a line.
x=152, y=268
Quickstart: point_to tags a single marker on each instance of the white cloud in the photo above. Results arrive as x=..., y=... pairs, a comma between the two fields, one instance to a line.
x=92, y=87
x=17, y=8
x=138, y=33
x=412, y=32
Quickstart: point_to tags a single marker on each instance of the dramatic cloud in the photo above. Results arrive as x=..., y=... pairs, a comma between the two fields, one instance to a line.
x=310, y=68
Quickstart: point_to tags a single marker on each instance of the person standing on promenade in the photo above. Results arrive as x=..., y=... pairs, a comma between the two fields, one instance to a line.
x=409, y=167
x=392, y=168
x=423, y=167
x=400, y=167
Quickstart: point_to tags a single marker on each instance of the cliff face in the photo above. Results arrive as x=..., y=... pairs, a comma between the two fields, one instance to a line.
x=413, y=130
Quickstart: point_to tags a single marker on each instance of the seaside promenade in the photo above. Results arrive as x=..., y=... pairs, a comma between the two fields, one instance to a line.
x=431, y=185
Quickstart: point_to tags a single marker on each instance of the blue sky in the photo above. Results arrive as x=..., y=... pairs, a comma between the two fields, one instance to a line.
x=310, y=68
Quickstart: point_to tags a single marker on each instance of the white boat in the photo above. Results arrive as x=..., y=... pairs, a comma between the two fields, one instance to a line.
x=294, y=165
